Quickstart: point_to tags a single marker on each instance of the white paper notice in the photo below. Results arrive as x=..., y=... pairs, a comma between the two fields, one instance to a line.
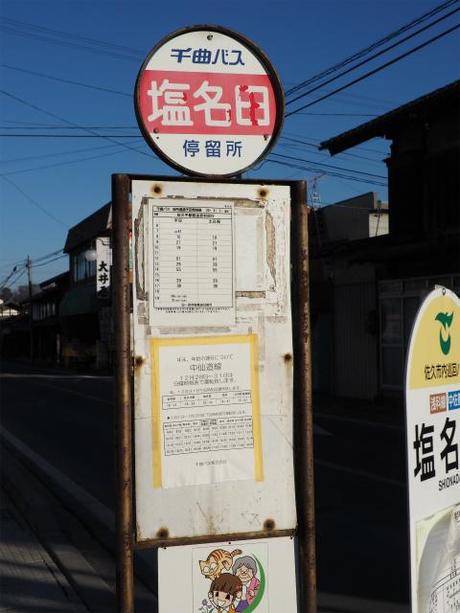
x=206, y=417
x=193, y=263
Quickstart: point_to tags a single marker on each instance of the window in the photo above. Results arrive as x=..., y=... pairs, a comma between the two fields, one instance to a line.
x=82, y=268
x=399, y=301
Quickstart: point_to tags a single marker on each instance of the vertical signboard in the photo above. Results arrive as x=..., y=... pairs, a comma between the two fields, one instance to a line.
x=433, y=437
x=104, y=265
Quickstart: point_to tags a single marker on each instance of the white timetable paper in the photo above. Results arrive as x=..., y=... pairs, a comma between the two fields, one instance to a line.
x=193, y=263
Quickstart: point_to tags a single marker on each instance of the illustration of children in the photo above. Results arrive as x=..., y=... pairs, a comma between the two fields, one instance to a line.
x=225, y=592
x=245, y=569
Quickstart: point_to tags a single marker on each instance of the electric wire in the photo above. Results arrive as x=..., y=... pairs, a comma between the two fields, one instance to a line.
x=299, y=142
x=373, y=57
x=332, y=166
x=29, y=158
x=49, y=262
x=66, y=35
x=34, y=202
x=314, y=169
x=106, y=136
x=359, y=54
x=48, y=255
x=37, y=108
x=318, y=141
x=59, y=164
x=67, y=81
x=19, y=273
x=69, y=40
x=376, y=70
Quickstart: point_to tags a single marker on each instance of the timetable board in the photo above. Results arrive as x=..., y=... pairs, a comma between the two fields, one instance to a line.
x=213, y=387
x=193, y=265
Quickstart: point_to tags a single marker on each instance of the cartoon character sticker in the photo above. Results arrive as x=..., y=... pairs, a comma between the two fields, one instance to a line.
x=245, y=568
x=237, y=582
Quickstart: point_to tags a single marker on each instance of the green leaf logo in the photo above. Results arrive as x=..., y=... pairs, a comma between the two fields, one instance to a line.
x=445, y=319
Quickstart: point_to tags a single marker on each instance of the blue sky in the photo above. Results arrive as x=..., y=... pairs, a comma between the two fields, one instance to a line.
x=49, y=184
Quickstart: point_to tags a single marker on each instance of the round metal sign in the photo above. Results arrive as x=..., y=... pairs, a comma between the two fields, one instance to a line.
x=209, y=102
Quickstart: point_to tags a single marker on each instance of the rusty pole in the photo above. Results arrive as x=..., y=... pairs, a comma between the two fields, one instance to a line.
x=303, y=417
x=121, y=315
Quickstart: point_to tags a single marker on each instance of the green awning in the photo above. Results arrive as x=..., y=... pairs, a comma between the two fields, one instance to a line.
x=78, y=301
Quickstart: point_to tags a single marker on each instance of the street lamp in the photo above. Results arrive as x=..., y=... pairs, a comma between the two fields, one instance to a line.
x=90, y=255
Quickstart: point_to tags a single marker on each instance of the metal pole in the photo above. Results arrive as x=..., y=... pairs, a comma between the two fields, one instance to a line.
x=31, y=325
x=303, y=417
x=121, y=314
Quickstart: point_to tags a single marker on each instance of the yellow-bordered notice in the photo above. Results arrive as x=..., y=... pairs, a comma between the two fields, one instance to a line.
x=205, y=410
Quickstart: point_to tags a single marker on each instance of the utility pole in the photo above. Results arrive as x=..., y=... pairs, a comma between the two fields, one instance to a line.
x=31, y=335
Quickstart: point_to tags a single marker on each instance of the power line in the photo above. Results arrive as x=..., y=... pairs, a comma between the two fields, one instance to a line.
x=332, y=166
x=49, y=262
x=372, y=57
x=33, y=201
x=67, y=81
x=28, y=158
x=297, y=148
x=8, y=277
x=48, y=126
x=314, y=169
x=21, y=274
x=69, y=44
x=106, y=136
x=286, y=134
x=68, y=35
x=46, y=166
x=363, y=52
x=48, y=255
x=37, y=108
x=301, y=142
x=375, y=70
x=333, y=115
x=23, y=264
x=67, y=39
x=18, y=272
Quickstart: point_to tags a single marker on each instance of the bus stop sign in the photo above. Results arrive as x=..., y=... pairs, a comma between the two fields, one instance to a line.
x=209, y=102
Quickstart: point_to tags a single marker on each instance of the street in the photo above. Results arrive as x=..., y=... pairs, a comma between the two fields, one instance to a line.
x=67, y=419
x=362, y=548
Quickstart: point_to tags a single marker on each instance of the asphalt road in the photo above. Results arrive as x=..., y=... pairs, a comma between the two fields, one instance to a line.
x=65, y=418
x=362, y=547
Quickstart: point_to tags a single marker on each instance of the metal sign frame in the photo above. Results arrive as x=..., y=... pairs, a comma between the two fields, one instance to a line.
x=266, y=63
x=302, y=416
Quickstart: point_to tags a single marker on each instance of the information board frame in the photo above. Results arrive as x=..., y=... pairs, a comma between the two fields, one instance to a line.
x=126, y=364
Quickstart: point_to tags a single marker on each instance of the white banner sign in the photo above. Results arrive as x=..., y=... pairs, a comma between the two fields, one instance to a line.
x=433, y=437
x=103, y=266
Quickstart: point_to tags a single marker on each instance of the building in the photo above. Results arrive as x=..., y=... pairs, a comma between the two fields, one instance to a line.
x=366, y=291
x=86, y=317
x=46, y=326
x=9, y=308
